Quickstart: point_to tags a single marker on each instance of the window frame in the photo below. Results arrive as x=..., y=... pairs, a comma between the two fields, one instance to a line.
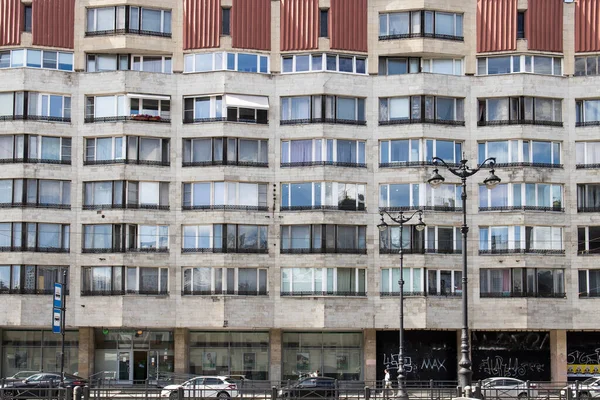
x=518, y=116
x=327, y=147
x=219, y=235
x=261, y=199
x=224, y=57
x=223, y=274
x=321, y=239
x=328, y=280
x=17, y=279
x=525, y=62
x=320, y=200
x=419, y=27
x=24, y=63
x=423, y=109
x=410, y=282
x=324, y=63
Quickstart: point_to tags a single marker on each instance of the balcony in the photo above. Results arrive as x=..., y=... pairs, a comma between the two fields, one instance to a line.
x=226, y=119
x=588, y=209
x=225, y=208
x=309, y=293
x=587, y=123
x=421, y=35
x=222, y=163
x=406, y=294
x=127, y=162
x=34, y=249
x=123, y=292
x=522, y=295
x=323, y=163
x=125, y=118
x=519, y=122
x=45, y=118
x=412, y=164
x=323, y=251
x=130, y=31
x=407, y=121
x=522, y=208
x=33, y=161
x=420, y=251
x=322, y=121
x=589, y=295
x=119, y=249
x=125, y=206
x=341, y=207
x=525, y=164
x=222, y=250
x=30, y=291
x=587, y=166
x=424, y=208
x=522, y=251
x=224, y=293
x=36, y=205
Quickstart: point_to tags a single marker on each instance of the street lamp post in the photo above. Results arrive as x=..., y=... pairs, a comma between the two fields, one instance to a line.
x=463, y=172
x=401, y=220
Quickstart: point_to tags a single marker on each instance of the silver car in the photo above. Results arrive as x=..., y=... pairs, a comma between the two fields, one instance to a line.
x=586, y=389
x=203, y=386
x=507, y=388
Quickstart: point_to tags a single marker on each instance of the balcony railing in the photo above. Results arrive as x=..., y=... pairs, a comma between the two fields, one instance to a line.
x=226, y=208
x=426, y=208
x=522, y=295
x=420, y=251
x=33, y=161
x=119, y=249
x=588, y=209
x=323, y=163
x=125, y=206
x=589, y=295
x=421, y=35
x=322, y=121
x=223, y=293
x=128, y=162
x=524, y=164
x=124, y=118
x=323, y=251
x=587, y=123
x=519, y=122
x=522, y=251
x=93, y=292
x=406, y=294
x=221, y=250
x=46, y=118
x=34, y=249
x=406, y=121
x=411, y=164
x=220, y=162
x=522, y=208
x=341, y=207
x=323, y=293
x=148, y=250
x=590, y=252
x=36, y=205
x=112, y=32
x=30, y=291
x=587, y=166
x=226, y=119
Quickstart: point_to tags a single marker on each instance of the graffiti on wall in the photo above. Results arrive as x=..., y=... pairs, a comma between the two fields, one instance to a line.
x=524, y=355
x=583, y=354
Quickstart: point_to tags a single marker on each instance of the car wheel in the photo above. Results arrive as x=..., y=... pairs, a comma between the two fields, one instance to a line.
x=584, y=396
x=522, y=396
x=173, y=396
x=223, y=395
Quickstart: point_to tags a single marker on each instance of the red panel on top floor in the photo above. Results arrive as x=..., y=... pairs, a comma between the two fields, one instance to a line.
x=53, y=23
x=201, y=24
x=348, y=28
x=496, y=25
x=544, y=25
x=11, y=18
x=299, y=24
x=587, y=25
x=251, y=24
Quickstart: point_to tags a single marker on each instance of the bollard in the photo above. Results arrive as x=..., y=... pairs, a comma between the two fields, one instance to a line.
x=180, y=393
x=431, y=389
x=86, y=392
x=527, y=385
x=367, y=393
x=459, y=392
x=77, y=393
x=69, y=394
x=273, y=392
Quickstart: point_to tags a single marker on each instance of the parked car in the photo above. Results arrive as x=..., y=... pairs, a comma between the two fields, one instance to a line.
x=19, y=376
x=43, y=380
x=507, y=388
x=203, y=386
x=318, y=387
x=586, y=389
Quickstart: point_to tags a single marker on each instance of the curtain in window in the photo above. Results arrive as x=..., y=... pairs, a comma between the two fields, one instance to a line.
x=498, y=150
x=300, y=107
x=445, y=109
x=102, y=193
x=300, y=151
x=443, y=66
x=346, y=237
x=6, y=142
x=497, y=110
x=594, y=282
x=50, y=192
x=399, y=23
x=101, y=278
x=302, y=279
x=592, y=110
x=346, y=151
x=149, y=193
x=248, y=150
x=202, y=279
x=399, y=108
x=201, y=150
x=49, y=235
x=105, y=19
x=148, y=279
x=300, y=237
x=444, y=24
x=592, y=195
x=247, y=281
x=98, y=236
x=50, y=148
x=150, y=149
x=105, y=106
x=46, y=276
x=151, y=20
x=6, y=103
x=346, y=280
x=543, y=109
x=346, y=108
x=152, y=64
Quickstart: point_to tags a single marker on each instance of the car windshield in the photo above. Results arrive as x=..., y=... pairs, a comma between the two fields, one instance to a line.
x=34, y=378
x=23, y=374
x=589, y=381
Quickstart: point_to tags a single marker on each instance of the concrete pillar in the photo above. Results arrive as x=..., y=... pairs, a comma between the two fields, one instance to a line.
x=275, y=355
x=370, y=355
x=86, y=352
x=558, y=355
x=182, y=350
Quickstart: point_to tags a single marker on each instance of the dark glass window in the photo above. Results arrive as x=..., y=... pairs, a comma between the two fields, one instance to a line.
x=27, y=22
x=521, y=25
x=324, y=23
x=226, y=22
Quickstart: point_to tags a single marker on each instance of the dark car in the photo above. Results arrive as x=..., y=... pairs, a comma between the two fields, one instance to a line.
x=34, y=385
x=318, y=387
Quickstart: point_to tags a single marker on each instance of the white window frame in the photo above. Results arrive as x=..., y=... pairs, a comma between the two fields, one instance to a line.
x=213, y=106
x=323, y=68
x=526, y=65
x=137, y=278
x=141, y=61
x=413, y=202
x=224, y=280
x=324, y=201
x=456, y=237
x=24, y=63
x=323, y=142
x=226, y=185
x=457, y=66
x=408, y=283
x=40, y=101
x=323, y=271
x=584, y=144
x=430, y=201
x=196, y=236
x=438, y=279
x=156, y=239
x=223, y=56
x=113, y=147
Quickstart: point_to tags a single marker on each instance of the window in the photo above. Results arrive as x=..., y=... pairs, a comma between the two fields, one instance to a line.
x=588, y=240
x=521, y=282
x=324, y=23
x=317, y=62
x=521, y=153
x=127, y=150
x=323, y=108
x=444, y=282
x=40, y=149
x=399, y=65
x=445, y=66
x=228, y=281
x=520, y=110
x=148, y=238
x=145, y=280
x=589, y=282
x=520, y=239
x=299, y=239
x=443, y=240
x=446, y=197
x=587, y=154
x=27, y=19
x=586, y=65
x=32, y=58
x=240, y=62
x=521, y=196
x=336, y=152
x=130, y=106
x=31, y=279
x=35, y=106
x=323, y=281
x=132, y=194
x=421, y=109
x=41, y=193
x=141, y=21
x=413, y=241
x=431, y=24
x=587, y=113
x=414, y=281
x=588, y=197
x=322, y=196
x=414, y=152
x=226, y=21
x=225, y=151
x=225, y=238
x=102, y=281
x=103, y=238
x=542, y=65
x=403, y=196
x=36, y=237
x=521, y=25
x=225, y=195
x=125, y=62
x=234, y=108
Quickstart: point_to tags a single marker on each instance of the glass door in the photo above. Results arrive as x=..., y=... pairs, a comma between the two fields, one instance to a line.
x=123, y=367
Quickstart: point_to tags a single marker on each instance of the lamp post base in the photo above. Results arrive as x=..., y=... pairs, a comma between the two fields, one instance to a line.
x=402, y=393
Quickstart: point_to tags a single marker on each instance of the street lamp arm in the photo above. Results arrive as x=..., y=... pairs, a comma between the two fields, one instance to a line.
x=401, y=219
x=462, y=171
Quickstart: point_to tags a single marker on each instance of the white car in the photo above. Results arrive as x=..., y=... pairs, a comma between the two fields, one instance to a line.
x=587, y=389
x=507, y=388
x=203, y=386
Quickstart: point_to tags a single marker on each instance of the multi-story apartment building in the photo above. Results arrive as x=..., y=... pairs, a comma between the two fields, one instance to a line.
x=210, y=174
